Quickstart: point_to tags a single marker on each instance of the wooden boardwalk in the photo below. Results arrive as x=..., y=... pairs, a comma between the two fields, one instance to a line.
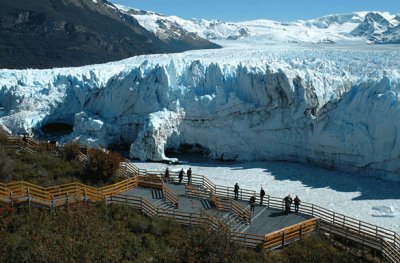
x=200, y=202
x=264, y=220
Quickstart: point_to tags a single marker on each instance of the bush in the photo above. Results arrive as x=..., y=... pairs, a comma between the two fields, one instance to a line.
x=40, y=168
x=80, y=233
x=6, y=166
x=101, y=166
x=70, y=151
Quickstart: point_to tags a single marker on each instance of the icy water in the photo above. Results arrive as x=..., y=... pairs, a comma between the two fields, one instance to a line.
x=355, y=196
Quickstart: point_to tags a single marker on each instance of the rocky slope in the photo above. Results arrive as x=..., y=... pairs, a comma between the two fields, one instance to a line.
x=60, y=33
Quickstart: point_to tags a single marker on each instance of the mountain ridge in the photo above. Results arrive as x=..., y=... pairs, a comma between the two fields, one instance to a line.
x=64, y=33
x=336, y=28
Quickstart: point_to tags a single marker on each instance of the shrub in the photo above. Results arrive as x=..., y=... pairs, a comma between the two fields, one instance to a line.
x=6, y=166
x=101, y=166
x=70, y=151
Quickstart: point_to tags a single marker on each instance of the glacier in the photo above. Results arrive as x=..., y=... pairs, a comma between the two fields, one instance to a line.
x=333, y=106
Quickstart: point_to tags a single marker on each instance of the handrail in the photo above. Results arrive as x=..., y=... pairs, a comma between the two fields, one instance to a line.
x=17, y=192
x=281, y=237
x=21, y=191
x=305, y=208
x=170, y=195
x=248, y=240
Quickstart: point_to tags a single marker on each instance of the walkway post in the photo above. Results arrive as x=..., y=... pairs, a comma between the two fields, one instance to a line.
x=85, y=195
x=301, y=231
x=52, y=202
x=29, y=197
x=11, y=199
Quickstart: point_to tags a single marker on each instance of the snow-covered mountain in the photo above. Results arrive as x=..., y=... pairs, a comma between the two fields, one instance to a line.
x=361, y=27
x=330, y=105
x=391, y=36
x=373, y=24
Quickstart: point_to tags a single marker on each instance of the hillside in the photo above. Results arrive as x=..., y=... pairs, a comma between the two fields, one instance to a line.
x=61, y=33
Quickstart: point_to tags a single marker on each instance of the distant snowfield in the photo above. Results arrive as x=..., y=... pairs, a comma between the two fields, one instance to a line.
x=367, y=199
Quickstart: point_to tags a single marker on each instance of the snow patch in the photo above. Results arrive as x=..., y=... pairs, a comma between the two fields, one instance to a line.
x=384, y=211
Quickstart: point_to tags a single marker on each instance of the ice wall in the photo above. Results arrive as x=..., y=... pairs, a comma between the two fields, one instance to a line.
x=327, y=107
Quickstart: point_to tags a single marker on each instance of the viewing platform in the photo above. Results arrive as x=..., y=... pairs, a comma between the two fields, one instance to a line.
x=201, y=202
x=264, y=220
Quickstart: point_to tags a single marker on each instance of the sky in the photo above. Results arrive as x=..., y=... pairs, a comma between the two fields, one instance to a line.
x=239, y=10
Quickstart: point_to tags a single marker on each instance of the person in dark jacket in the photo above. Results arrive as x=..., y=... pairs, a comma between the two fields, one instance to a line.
x=236, y=190
x=262, y=194
x=296, y=203
x=180, y=176
x=189, y=175
x=252, y=203
x=288, y=202
x=166, y=175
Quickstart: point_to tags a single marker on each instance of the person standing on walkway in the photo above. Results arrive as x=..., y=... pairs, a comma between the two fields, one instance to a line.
x=166, y=175
x=189, y=175
x=180, y=176
x=252, y=203
x=296, y=203
x=288, y=202
x=262, y=194
x=236, y=190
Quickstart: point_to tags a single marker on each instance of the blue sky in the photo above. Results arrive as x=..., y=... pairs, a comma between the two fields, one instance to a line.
x=238, y=10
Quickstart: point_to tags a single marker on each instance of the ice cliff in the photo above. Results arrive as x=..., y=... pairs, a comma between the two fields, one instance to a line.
x=337, y=107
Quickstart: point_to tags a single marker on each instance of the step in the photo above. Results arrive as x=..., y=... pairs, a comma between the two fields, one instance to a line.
x=240, y=227
x=157, y=194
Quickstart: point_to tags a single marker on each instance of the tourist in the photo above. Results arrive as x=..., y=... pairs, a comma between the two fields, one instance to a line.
x=236, y=190
x=288, y=202
x=262, y=194
x=296, y=203
x=252, y=203
x=189, y=175
x=180, y=176
x=166, y=175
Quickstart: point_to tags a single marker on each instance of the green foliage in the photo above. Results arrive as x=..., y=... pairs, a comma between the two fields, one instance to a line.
x=6, y=165
x=39, y=168
x=95, y=233
x=45, y=169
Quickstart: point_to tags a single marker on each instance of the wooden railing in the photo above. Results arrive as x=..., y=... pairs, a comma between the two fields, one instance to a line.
x=151, y=181
x=382, y=239
x=137, y=202
x=21, y=192
x=215, y=200
x=388, y=240
x=282, y=237
x=248, y=240
x=26, y=143
x=129, y=169
x=196, y=191
x=233, y=206
x=170, y=195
